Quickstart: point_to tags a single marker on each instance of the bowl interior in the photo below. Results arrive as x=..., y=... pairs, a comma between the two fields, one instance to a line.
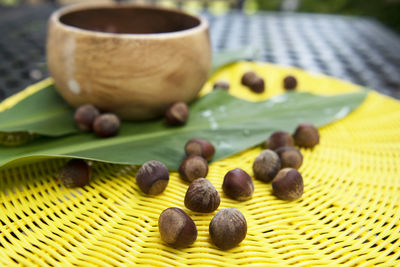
x=129, y=19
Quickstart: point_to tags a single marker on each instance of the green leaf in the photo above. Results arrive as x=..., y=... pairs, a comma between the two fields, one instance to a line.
x=44, y=113
x=230, y=123
x=230, y=56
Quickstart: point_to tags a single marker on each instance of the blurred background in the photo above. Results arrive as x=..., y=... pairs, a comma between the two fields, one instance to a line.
x=353, y=40
x=386, y=11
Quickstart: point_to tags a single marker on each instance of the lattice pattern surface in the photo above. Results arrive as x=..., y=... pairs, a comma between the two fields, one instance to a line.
x=355, y=49
x=349, y=213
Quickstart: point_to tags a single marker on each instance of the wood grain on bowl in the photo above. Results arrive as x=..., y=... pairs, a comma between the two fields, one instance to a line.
x=128, y=59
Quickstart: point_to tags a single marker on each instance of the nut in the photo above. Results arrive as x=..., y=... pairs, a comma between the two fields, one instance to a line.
x=228, y=228
x=76, y=173
x=266, y=165
x=290, y=157
x=177, y=228
x=200, y=147
x=193, y=167
x=152, y=178
x=253, y=81
x=288, y=184
x=279, y=139
x=238, y=185
x=177, y=114
x=258, y=85
x=306, y=135
x=290, y=82
x=106, y=125
x=85, y=116
x=202, y=196
x=224, y=85
x=248, y=78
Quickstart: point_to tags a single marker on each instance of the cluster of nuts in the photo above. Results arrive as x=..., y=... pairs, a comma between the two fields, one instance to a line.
x=280, y=161
x=88, y=118
x=77, y=172
x=253, y=81
x=228, y=227
x=256, y=83
x=195, y=165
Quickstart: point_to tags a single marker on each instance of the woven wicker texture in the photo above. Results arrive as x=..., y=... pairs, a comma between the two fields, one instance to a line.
x=349, y=213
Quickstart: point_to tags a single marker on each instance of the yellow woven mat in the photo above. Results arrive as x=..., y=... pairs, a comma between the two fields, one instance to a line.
x=349, y=213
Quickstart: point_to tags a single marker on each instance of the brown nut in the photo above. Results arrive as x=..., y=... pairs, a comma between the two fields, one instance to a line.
x=177, y=228
x=279, y=139
x=248, y=78
x=257, y=85
x=177, y=114
x=228, y=228
x=106, y=125
x=290, y=157
x=238, y=184
x=200, y=147
x=266, y=165
x=76, y=173
x=288, y=184
x=84, y=117
x=202, y=196
x=224, y=85
x=253, y=81
x=152, y=177
x=193, y=167
x=306, y=135
x=290, y=82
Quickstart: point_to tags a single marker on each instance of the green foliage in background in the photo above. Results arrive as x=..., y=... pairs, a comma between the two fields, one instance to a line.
x=8, y=2
x=387, y=11
x=269, y=4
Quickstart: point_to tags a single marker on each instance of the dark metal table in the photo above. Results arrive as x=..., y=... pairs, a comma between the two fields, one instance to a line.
x=359, y=50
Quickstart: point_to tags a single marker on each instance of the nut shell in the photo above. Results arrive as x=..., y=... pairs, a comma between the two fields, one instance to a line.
x=306, y=135
x=228, y=228
x=238, y=185
x=152, y=177
x=224, y=85
x=266, y=165
x=290, y=82
x=193, y=167
x=177, y=114
x=84, y=117
x=257, y=85
x=177, y=228
x=253, y=81
x=248, y=78
x=288, y=184
x=106, y=125
x=279, y=139
x=200, y=147
x=76, y=173
x=202, y=196
x=290, y=157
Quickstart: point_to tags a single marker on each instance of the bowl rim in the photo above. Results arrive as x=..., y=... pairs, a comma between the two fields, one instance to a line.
x=57, y=14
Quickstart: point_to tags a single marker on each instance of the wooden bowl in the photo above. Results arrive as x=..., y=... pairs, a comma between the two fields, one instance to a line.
x=129, y=59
